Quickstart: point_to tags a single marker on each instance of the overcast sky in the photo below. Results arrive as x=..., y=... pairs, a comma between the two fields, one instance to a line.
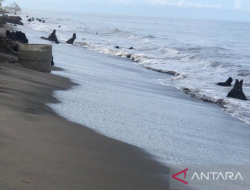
x=202, y=9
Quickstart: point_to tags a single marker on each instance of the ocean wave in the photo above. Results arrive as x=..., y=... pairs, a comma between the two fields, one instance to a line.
x=193, y=68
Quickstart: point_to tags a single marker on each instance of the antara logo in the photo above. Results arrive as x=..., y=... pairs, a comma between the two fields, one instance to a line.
x=214, y=176
x=179, y=173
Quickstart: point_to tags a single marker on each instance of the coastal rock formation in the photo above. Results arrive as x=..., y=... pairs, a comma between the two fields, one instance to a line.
x=237, y=91
x=13, y=19
x=17, y=36
x=227, y=83
x=117, y=47
x=52, y=37
x=71, y=40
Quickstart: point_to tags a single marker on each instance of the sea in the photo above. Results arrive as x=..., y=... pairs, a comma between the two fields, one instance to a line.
x=196, y=53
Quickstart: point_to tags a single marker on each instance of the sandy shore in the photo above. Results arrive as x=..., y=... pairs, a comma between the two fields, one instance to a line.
x=40, y=150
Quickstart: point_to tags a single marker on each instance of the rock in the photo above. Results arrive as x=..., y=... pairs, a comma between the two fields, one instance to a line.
x=43, y=21
x=52, y=61
x=117, y=47
x=237, y=91
x=17, y=36
x=129, y=56
x=59, y=26
x=32, y=19
x=52, y=37
x=131, y=48
x=71, y=40
x=21, y=37
x=29, y=20
x=13, y=19
x=227, y=83
x=27, y=16
x=40, y=20
x=15, y=48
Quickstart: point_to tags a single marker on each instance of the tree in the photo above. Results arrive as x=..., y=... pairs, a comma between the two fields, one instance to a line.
x=1, y=8
x=13, y=8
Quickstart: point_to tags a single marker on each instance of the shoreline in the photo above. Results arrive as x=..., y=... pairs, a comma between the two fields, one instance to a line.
x=41, y=150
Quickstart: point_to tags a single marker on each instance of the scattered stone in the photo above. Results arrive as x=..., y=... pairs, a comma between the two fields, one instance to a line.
x=237, y=91
x=29, y=20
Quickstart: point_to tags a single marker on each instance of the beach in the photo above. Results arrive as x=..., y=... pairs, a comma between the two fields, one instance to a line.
x=100, y=121
x=40, y=150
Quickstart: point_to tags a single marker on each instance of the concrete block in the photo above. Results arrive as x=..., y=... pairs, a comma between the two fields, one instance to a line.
x=35, y=56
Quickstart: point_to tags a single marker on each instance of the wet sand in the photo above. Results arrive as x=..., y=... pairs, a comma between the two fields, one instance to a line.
x=40, y=150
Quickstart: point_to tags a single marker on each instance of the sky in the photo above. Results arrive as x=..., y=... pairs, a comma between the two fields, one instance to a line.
x=200, y=9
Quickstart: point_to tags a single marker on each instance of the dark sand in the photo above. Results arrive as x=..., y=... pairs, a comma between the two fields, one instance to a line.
x=40, y=150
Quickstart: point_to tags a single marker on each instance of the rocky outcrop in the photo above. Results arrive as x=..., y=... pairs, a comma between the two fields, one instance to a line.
x=52, y=37
x=17, y=36
x=71, y=40
x=13, y=19
x=227, y=83
x=237, y=91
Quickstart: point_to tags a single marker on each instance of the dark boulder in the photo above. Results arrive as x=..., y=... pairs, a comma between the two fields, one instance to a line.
x=52, y=37
x=131, y=48
x=227, y=83
x=71, y=40
x=29, y=20
x=43, y=21
x=15, y=47
x=17, y=36
x=27, y=16
x=21, y=37
x=59, y=26
x=237, y=91
x=129, y=56
x=117, y=47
